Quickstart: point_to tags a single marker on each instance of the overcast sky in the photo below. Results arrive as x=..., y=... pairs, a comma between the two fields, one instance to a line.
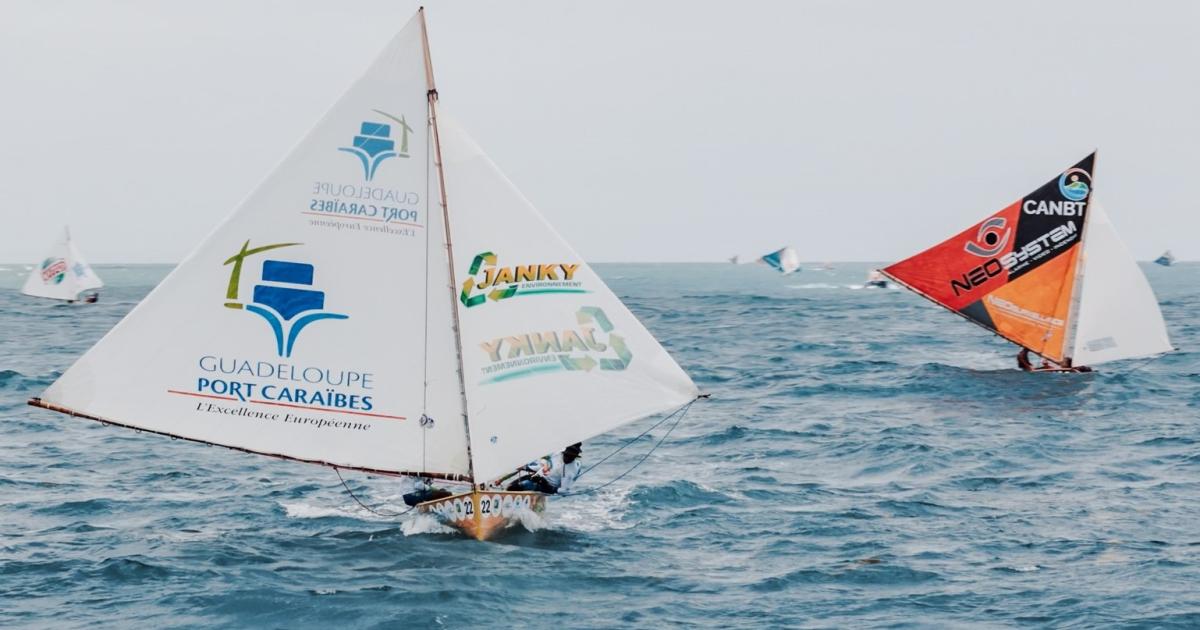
x=643, y=130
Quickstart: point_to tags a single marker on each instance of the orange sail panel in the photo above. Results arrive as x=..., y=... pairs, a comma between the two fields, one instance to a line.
x=1014, y=272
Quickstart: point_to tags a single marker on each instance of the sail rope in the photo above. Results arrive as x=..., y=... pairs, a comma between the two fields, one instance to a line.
x=1144, y=363
x=681, y=413
x=678, y=414
x=364, y=505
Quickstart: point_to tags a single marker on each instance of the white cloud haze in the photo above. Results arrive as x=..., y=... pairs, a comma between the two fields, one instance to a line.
x=644, y=131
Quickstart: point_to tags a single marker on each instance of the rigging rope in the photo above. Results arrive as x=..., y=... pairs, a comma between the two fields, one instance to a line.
x=634, y=439
x=682, y=412
x=1145, y=362
x=364, y=505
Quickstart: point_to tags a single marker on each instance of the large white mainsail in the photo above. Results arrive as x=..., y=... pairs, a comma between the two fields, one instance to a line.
x=63, y=274
x=321, y=321
x=550, y=355
x=304, y=326
x=1118, y=316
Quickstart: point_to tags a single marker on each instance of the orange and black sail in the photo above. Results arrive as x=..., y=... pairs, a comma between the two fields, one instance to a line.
x=1014, y=272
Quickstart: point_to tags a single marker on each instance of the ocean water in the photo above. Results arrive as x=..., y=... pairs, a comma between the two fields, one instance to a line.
x=866, y=460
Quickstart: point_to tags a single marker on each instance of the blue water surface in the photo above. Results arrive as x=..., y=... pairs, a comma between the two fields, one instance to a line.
x=866, y=460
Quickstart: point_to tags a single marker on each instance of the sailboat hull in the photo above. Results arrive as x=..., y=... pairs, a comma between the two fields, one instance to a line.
x=483, y=515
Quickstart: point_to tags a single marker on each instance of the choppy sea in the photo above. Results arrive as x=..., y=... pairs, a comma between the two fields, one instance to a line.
x=866, y=460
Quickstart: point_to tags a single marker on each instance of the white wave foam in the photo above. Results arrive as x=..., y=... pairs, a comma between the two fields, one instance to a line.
x=815, y=285
x=830, y=285
x=425, y=524
x=589, y=512
x=353, y=510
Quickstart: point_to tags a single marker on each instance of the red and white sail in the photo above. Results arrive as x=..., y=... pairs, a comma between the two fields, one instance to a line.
x=1046, y=272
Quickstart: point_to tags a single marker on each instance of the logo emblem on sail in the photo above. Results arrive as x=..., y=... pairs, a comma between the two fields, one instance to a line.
x=991, y=238
x=285, y=304
x=590, y=345
x=485, y=280
x=54, y=270
x=1072, y=185
x=374, y=143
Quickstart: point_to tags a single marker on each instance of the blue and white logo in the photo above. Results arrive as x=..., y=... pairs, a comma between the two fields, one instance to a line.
x=1072, y=184
x=283, y=298
x=374, y=144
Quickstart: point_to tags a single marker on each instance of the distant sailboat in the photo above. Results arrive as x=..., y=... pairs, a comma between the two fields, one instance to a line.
x=333, y=320
x=63, y=274
x=1048, y=273
x=784, y=260
x=876, y=280
x=1166, y=260
x=742, y=260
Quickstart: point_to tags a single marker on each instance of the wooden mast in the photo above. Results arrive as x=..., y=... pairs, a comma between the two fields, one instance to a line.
x=432, y=96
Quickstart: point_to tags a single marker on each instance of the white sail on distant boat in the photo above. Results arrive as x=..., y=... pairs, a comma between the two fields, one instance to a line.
x=784, y=260
x=385, y=301
x=876, y=280
x=1166, y=260
x=63, y=274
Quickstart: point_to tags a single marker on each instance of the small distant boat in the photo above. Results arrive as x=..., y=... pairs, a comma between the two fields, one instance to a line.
x=742, y=260
x=332, y=319
x=1166, y=260
x=784, y=260
x=63, y=274
x=876, y=280
x=1048, y=273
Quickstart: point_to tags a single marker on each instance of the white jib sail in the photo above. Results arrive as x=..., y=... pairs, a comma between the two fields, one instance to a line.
x=308, y=324
x=63, y=274
x=1119, y=316
x=550, y=355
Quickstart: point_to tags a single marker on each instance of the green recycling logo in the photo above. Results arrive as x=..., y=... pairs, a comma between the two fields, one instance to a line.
x=592, y=345
x=486, y=280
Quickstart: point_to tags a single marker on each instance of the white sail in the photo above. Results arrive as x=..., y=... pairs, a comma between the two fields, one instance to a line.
x=63, y=274
x=1118, y=316
x=308, y=324
x=550, y=355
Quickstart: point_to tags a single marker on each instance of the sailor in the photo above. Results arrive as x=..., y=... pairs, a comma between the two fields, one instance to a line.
x=1024, y=363
x=555, y=475
x=1023, y=360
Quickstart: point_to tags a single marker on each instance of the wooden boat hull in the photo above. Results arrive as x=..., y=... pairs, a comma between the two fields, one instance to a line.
x=483, y=514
